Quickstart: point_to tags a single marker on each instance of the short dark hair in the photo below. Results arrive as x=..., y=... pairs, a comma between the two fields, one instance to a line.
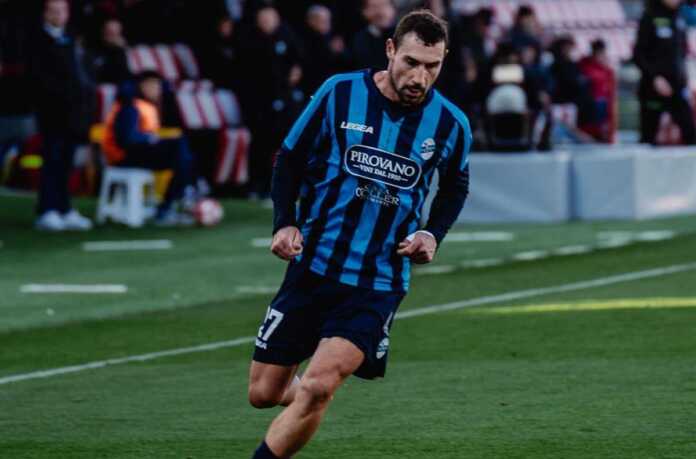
x=428, y=28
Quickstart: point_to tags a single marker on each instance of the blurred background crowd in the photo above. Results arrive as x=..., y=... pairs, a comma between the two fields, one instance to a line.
x=230, y=76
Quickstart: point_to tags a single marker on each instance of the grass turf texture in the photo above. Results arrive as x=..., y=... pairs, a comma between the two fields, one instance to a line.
x=592, y=373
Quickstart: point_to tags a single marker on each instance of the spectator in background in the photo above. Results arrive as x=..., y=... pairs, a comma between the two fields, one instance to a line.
x=270, y=96
x=526, y=31
x=570, y=85
x=325, y=52
x=220, y=55
x=660, y=53
x=132, y=139
x=476, y=38
x=109, y=56
x=62, y=90
x=16, y=118
x=368, y=46
x=597, y=70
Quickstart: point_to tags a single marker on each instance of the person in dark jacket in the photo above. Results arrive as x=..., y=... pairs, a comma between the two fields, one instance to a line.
x=271, y=90
x=660, y=53
x=62, y=89
x=368, y=45
x=570, y=85
x=132, y=139
x=325, y=52
x=219, y=54
x=109, y=56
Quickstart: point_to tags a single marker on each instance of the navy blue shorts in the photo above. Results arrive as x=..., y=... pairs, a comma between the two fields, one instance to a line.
x=309, y=307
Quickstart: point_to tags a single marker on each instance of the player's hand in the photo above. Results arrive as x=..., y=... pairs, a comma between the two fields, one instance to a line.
x=287, y=243
x=662, y=86
x=419, y=247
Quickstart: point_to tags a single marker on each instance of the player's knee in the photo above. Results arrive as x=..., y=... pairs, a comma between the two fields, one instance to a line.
x=316, y=390
x=263, y=397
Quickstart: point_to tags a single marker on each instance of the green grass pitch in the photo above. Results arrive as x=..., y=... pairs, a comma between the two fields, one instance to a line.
x=599, y=372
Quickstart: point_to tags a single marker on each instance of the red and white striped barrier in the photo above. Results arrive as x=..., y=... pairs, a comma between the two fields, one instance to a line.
x=106, y=97
x=202, y=109
x=208, y=110
x=233, y=157
x=174, y=63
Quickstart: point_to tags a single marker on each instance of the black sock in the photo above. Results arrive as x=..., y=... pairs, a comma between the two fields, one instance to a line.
x=264, y=452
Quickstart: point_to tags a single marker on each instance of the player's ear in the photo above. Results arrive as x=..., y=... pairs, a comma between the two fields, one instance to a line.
x=391, y=49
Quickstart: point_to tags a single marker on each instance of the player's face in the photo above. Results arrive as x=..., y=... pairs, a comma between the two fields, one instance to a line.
x=414, y=67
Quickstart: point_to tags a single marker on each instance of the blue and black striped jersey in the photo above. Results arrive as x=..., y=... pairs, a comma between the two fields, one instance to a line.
x=362, y=166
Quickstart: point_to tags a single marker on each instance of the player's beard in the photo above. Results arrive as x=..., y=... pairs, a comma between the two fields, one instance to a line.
x=409, y=95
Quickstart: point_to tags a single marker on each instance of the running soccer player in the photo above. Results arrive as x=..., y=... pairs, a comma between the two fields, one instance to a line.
x=360, y=158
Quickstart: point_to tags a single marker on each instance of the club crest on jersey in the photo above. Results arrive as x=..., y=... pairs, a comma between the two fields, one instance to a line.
x=427, y=148
x=382, y=167
x=357, y=127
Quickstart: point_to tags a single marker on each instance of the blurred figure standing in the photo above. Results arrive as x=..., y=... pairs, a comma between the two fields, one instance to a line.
x=219, y=56
x=368, y=45
x=660, y=53
x=526, y=31
x=109, y=56
x=62, y=89
x=271, y=95
x=324, y=51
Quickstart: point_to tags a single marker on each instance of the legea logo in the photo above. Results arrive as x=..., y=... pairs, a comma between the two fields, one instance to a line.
x=357, y=127
x=381, y=166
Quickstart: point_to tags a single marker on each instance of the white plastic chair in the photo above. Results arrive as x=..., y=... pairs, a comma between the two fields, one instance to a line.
x=126, y=196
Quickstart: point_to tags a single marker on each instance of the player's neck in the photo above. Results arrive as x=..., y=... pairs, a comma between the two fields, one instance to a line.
x=385, y=86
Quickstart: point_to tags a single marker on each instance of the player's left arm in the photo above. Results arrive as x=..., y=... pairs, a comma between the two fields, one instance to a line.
x=453, y=189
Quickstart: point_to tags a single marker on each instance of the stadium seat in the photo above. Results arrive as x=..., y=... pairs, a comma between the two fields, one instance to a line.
x=126, y=196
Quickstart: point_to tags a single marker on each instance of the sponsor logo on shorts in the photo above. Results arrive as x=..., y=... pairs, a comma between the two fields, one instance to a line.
x=376, y=194
x=383, y=348
x=382, y=167
x=261, y=344
x=427, y=148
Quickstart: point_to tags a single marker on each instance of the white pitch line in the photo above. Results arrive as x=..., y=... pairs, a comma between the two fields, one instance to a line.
x=122, y=360
x=483, y=263
x=261, y=242
x=68, y=288
x=437, y=269
x=572, y=250
x=109, y=246
x=530, y=255
x=479, y=236
x=520, y=294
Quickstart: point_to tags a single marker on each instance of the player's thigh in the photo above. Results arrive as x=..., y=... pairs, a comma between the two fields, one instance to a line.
x=268, y=382
x=270, y=375
x=334, y=360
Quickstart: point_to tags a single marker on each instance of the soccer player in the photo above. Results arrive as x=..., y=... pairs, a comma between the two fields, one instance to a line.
x=360, y=158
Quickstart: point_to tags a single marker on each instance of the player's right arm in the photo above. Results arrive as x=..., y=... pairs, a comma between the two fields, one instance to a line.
x=288, y=171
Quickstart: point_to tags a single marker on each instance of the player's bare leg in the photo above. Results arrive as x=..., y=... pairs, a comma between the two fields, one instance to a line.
x=334, y=361
x=272, y=385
